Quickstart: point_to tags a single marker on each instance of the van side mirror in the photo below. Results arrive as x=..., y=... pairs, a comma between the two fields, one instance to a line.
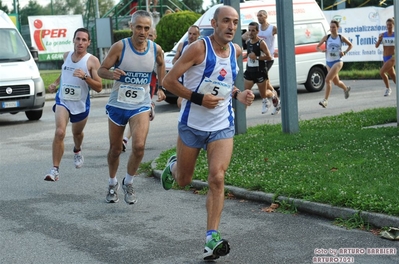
x=35, y=53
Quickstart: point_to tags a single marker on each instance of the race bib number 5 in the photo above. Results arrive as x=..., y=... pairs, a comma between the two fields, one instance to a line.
x=215, y=88
x=131, y=95
x=71, y=92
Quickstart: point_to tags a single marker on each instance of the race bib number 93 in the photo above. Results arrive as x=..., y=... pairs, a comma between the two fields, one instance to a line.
x=71, y=92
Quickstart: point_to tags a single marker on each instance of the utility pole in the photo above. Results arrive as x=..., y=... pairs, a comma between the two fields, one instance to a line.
x=100, y=50
x=240, y=121
x=396, y=13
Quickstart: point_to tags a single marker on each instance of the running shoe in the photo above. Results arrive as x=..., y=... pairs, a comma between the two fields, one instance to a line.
x=130, y=196
x=266, y=104
x=152, y=112
x=167, y=179
x=78, y=158
x=388, y=92
x=112, y=196
x=277, y=108
x=323, y=103
x=346, y=92
x=216, y=247
x=275, y=101
x=53, y=175
x=124, y=144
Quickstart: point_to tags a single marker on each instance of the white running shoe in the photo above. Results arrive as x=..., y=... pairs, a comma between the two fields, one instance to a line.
x=112, y=196
x=53, y=175
x=266, y=104
x=78, y=158
x=388, y=92
x=277, y=108
x=152, y=111
x=346, y=92
x=323, y=103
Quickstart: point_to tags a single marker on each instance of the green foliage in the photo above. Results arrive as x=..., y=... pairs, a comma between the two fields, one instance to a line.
x=334, y=160
x=287, y=207
x=104, y=6
x=49, y=76
x=362, y=65
x=62, y=7
x=32, y=9
x=356, y=221
x=121, y=34
x=195, y=5
x=4, y=7
x=145, y=167
x=173, y=26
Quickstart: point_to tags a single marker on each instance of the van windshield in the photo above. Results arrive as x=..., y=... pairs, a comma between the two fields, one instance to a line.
x=12, y=46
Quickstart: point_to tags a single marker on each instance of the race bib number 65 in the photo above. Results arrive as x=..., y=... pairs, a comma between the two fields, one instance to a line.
x=131, y=95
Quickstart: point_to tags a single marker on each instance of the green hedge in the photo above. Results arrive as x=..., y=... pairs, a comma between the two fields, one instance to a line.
x=173, y=26
x=121, y=34
x=170, y=28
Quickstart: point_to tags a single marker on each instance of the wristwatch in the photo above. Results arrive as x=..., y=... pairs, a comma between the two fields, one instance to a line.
x=84, y=78
x=257, y=57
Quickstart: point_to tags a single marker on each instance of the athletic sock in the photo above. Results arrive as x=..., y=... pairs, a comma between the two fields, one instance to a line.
x=209, y=235
x=128, y=179
x=112, y=181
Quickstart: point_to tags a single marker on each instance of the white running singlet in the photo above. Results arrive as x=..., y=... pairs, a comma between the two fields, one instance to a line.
x=213, y=75
x=131, y=91
x=73, y=92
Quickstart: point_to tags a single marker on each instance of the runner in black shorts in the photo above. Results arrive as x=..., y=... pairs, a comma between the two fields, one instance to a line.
x=256, y=72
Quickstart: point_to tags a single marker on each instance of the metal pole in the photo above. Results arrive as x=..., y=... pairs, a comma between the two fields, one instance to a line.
x=240, y=112
x=396, y=14
x=100, y=50
x=286, y=63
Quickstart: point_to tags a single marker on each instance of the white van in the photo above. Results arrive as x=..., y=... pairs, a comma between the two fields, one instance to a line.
x=310, y=25
x=21, y=87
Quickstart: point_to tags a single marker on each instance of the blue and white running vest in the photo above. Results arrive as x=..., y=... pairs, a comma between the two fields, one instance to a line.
x=333, y=48
x=73, y=92
x=131, y=91
x=388, y=40
x=214, y=75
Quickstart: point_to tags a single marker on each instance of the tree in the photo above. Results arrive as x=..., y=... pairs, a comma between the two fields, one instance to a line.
x=173, y=26
x=104, y=6
x=68, y=7
x=213, y=2
x=4, y=8
x=32, y=9
x=195, y=5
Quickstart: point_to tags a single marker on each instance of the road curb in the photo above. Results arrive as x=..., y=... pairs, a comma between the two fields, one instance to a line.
x=314, y=208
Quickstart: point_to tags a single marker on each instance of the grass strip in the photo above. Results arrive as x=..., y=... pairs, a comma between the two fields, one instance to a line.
x=335, y=160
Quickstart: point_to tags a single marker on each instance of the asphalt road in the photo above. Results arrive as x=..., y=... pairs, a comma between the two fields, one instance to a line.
x=69, y=221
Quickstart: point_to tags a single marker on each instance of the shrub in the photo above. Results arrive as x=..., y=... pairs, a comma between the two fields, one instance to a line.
x=121, y=34
x=173, y=26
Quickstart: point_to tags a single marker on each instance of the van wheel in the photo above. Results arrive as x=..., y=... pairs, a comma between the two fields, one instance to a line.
x=316, y=79
x=34, y=115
